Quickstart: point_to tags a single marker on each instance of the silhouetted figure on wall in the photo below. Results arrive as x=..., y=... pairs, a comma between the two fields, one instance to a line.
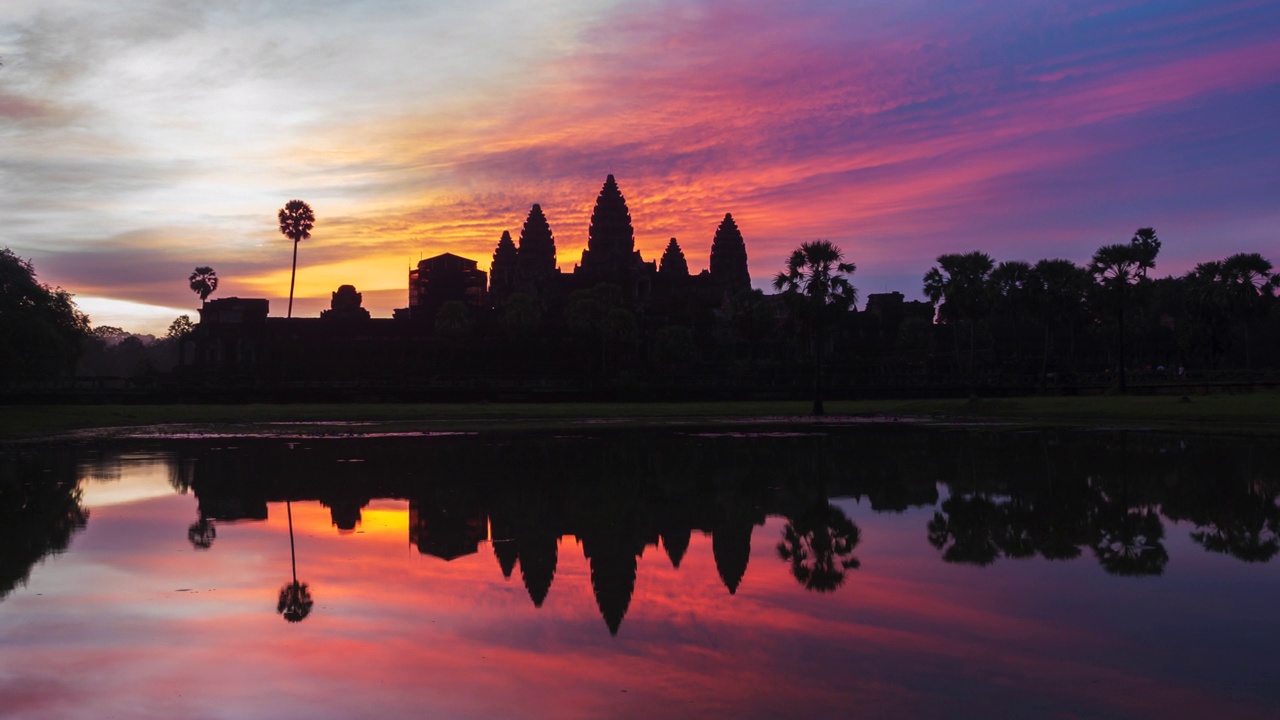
x=345, y=304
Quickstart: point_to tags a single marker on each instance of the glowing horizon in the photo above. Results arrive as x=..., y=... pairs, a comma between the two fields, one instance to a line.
x=144, y=139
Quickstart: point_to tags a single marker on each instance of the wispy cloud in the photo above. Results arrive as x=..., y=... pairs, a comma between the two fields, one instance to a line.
x=140, y=135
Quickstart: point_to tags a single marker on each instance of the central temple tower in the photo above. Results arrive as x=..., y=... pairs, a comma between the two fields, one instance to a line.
x=611, y=239
x=611, y=245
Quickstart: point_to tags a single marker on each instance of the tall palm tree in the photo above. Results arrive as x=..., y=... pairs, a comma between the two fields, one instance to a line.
x=959, y=288
x=296, y=221
x=1120, y=267
x=203, y=282
x=1057, y=292
x=1252, y=282
x=815, y=279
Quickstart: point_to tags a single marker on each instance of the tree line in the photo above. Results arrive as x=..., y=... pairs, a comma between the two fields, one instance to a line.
x=1009, y=325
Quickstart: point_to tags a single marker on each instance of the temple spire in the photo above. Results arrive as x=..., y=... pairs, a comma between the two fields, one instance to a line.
x=729, y=256
x=536, y=260
x=611, y=240
x=502, y=271
x=673, y=263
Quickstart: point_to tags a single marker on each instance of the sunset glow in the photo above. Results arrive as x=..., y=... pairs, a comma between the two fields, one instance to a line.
x=142, y=139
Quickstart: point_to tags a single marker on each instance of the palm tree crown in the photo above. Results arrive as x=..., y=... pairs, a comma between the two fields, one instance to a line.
x=296, y=221
x=816, y=271
x=204, y=281
x=816, y=274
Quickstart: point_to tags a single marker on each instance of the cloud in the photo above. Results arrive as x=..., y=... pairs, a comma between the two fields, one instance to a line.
x=898, y=130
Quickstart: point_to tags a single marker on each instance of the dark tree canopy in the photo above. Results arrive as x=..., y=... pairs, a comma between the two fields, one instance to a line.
x=41, y=330
x=729, y=256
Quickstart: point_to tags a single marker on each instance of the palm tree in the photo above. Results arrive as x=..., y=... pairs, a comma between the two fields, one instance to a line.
x=959, y=288
x=1252, y=282
x=815, y=280
x=819, y=544
x=203, y=282
x=1120, y=267
x=295, y=598
x=296, y=221
x=1057, y=291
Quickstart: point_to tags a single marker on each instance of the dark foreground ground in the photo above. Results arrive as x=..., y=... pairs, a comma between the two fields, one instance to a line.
x=1255, y=413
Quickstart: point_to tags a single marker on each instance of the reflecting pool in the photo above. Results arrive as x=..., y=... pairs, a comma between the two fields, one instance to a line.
x=791, y=571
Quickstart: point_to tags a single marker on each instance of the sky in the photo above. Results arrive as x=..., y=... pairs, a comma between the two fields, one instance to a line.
x=142, y=138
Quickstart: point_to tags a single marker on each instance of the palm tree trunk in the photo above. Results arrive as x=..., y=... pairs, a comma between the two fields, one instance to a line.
x=1123, y=387
x=818, y=409
x=1248, y=362
x=292, y=275
x=1044, y=360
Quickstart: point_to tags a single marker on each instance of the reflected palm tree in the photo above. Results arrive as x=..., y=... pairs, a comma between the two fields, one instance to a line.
x=819, y=545
x=965, y=530
x=295, y=598
x=1242, y=537
x=202, y=533
x=1128, y=542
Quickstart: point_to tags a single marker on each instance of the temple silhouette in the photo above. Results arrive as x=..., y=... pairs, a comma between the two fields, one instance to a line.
x=615, y=495
x=523, y=324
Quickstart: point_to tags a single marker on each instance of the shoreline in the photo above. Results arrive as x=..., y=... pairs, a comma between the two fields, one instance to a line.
x=1256, y=414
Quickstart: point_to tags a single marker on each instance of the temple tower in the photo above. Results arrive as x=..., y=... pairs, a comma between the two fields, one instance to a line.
x=502, y=272
x=611, y=240
x=729, y=257
x=536, y=256
x=673, y=263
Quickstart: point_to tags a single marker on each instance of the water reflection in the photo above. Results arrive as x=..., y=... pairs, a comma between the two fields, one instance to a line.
x=776, y=536
x=40, y=511
x=1051, y=495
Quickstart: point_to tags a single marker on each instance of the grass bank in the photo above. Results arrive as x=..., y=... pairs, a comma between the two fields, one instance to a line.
x=1254, y=413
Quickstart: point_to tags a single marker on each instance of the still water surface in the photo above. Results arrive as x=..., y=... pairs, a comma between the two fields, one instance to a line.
x=877, y=571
